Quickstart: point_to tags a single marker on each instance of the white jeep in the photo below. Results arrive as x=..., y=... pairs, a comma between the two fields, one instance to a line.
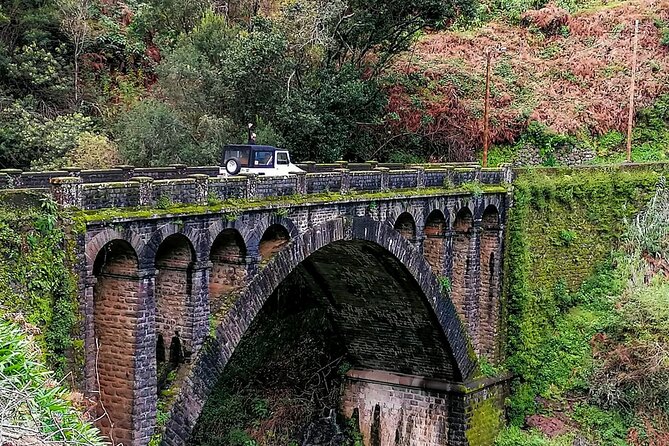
x=261, y=160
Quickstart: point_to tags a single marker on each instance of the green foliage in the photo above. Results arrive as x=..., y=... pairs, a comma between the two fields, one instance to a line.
x=554, y=308
x=567, y=236
x=32, y=399
x=513, y=436
x=35, y=276
x=648, y=231
x=28, y=138
x=164, y=202
x=445, y=284
x=473, y=187
x=606, y=427
x=153, y=134
x=281, y=212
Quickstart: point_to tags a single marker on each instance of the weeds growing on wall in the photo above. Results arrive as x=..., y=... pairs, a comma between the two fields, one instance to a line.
x=35, y=278
x=580, y=351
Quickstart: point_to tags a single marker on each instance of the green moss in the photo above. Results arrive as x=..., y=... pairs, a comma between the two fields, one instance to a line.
x=233, y=207
x=486, y=420
x=36, y=277
x=559, y=273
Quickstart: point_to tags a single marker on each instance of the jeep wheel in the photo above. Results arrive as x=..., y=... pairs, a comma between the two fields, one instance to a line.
x=232, y=166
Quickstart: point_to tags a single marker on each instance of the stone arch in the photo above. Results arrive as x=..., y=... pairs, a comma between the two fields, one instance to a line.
x=95, y=245
x=273, y=240
x=405, y=224
x=149, y=252
x=228, y=256
x=463, y=269
x=489, y=295
x=215, y=355
x=174, y=262
x=434, y=245
x=116, y=306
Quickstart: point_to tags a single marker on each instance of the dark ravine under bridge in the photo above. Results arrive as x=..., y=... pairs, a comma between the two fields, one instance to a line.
x=416, y=250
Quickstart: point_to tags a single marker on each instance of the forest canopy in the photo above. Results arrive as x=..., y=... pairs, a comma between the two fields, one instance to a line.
x=99, y=82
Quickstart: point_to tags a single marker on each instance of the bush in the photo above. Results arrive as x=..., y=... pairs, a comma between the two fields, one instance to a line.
x=32, y=400
x=93, y=152
x=513, y=436
x=152, y=133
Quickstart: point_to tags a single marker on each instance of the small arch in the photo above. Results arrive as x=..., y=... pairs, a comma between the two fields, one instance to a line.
x=406, y=225
x=435, y=225
x=489, y=296
x=102, y=240
x=228, y=268
x=434, y=246
x=176, y=352
x=116, y=305
x=273, y=240
x=160, y=349
x=174, y=262
x=176, y=251
x=490, y=219
x=464, y=220
x=462, y=280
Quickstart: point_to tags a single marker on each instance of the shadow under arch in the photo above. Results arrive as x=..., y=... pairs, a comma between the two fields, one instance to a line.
x=380, y=238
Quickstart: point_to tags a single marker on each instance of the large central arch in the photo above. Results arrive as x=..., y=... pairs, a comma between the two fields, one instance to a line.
x=216, y=353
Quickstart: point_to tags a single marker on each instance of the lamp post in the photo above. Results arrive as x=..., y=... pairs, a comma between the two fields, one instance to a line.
x=486, y=107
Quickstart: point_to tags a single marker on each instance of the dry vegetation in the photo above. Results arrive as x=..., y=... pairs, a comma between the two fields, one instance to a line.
x=570, y=72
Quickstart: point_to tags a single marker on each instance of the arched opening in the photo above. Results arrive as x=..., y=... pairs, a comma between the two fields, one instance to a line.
x=461, y=282
x=349, y=305
x=406, y=225
x=489, y=296
x=160, y=350
x=116, y=308
x=275, y=238
x=434, y=246
x=174, y=314
x=176, y=352
x=228, y=270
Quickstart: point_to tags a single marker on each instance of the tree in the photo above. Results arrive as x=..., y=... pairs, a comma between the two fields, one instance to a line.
x=74, y=16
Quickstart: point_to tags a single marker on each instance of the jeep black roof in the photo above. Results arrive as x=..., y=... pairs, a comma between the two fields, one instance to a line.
x=250, y=146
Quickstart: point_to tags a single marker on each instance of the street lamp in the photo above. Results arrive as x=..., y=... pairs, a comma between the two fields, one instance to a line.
x=486, y=108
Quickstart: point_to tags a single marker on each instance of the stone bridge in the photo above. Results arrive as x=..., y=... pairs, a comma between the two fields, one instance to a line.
x=408, y=262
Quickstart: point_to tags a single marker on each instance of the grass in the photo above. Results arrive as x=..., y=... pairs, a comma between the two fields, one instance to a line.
x=33, y=403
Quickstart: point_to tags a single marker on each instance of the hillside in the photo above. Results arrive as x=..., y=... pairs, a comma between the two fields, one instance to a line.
x=98, y=83
x=567, y=72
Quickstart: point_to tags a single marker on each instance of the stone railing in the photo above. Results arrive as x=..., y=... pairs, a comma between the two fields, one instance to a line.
x=129, y=187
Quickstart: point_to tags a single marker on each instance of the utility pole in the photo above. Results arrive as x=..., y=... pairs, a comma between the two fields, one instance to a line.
x=630, y=117
x=486, y=107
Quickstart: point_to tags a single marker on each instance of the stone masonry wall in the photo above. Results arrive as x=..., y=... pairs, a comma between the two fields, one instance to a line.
x=489, y=293
x=173, y=288
x=392, y=415
x=224, y=262
x=407, y=410
x=460, y=287
x=434, y=245
x=228, y=272
x=116, y=304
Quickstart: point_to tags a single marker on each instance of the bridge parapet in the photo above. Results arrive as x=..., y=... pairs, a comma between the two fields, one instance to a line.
x=74, y=190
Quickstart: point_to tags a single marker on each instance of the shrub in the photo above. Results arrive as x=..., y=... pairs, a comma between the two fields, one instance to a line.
x=93, y=152
x=32, y=400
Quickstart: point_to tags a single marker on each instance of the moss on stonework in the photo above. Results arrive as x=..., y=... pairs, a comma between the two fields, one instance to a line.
x=558, y=274
x=485, y=421
x=37, y=282
x=234, y=206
